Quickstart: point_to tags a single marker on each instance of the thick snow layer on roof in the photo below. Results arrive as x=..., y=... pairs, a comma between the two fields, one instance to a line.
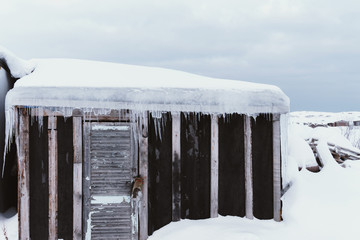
x=18, y=67
x=88, y=84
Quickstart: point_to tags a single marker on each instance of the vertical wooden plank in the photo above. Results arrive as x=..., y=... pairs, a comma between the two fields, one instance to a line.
x=65, y=177
x=77, y=178
x=160, y=172
x=214, y=185
x=176, y=167
x=23, y=175
x=262, y=166
x=138, y=206
x=277, y=167
x=284, y=124
x=143, y=165
x=232, y=193
x=195, y=141
x=39, y=174
x=86, y=221
x=248, y=168
x=53, y=178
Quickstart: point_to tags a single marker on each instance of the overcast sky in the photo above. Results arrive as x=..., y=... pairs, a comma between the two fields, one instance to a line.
x=309, y=48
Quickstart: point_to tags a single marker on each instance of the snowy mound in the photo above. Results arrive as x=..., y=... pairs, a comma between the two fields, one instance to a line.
x=17, y=67
x=87, y=84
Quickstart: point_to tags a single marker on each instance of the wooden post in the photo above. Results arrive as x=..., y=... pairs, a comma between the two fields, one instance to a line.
x=248, y=168
x=53, y=177
x=86, y=221
x=23, y=175
x=143, y=162
x=77, y=178
x=214, y=166
x=176, y=167
x=277, y=167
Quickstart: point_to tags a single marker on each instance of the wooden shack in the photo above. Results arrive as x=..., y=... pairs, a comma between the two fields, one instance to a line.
x=88, y=132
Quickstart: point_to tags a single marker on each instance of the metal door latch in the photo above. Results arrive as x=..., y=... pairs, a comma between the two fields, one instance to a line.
x=137, y=187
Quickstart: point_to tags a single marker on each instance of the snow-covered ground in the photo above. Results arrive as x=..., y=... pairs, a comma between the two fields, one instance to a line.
x=352, y=133
x=8, y=225
x=319, y=206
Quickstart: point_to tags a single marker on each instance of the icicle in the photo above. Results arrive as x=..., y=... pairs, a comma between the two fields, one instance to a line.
x=158, y=123
x=10, y=117
x=227, y=118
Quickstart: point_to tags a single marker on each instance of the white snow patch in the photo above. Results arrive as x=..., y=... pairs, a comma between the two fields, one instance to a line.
x=110, y=199
x=9, y=225
x=324, y=154
x=300, y=150
x=107, y=128
x=18, y=67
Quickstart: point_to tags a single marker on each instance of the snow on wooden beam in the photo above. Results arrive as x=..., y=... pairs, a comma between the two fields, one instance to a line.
x=248, y=168
x=23, y=175
x=277, y=167
x=53, y=178
x=214, y=178
x=143, y=162
x=77, y=178
x=176, y=167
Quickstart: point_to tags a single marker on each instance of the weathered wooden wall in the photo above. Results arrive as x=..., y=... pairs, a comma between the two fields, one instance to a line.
x=192, y=166
x=231, y=166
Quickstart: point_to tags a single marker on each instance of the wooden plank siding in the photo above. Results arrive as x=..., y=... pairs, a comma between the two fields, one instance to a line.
x=39, y=178
x=143, y=171
x=214, y=174
x=277, y=166
x=195, y=166
x=160, y=171
x=262, y=166
x=23, y=176
x=65, y=177
x=86, y=182
x=77, y=177
x=248, y=169
x=53, y=178
x=231, y=165
x=176, y=167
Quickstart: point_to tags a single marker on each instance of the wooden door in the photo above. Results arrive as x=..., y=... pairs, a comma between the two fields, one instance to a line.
x=110, y=167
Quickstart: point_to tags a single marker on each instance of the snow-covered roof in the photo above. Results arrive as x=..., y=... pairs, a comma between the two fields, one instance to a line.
x=16, y=66
x=89, y=84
